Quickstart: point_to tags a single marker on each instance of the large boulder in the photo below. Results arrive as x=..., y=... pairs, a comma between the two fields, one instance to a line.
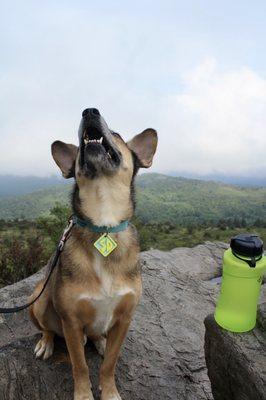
x=163, y=355
x=237, y=362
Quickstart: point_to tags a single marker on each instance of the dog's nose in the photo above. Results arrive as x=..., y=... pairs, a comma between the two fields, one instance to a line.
x=90, y=112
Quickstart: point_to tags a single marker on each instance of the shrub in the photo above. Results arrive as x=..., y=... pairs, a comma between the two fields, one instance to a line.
x=20, y=257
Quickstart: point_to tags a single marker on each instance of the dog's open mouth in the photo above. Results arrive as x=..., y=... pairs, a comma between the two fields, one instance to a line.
x=94, y=138
x=99, y=151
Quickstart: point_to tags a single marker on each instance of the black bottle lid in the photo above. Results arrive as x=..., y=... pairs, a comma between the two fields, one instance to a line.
x=247, y=245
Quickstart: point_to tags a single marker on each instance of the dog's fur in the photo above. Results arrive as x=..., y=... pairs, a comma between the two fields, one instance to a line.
x=90, y=295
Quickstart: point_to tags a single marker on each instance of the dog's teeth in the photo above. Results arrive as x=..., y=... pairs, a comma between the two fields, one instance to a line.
x=87, y=140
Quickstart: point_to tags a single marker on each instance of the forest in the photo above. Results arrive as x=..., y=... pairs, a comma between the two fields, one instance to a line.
x=171, y=212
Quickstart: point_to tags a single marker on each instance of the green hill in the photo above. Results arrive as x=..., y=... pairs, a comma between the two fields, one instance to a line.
x=181, y=200
x=14, y=185
x=160, y=198
x=32, y=205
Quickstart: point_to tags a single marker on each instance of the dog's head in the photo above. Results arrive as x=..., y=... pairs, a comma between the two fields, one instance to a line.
x=102, y=152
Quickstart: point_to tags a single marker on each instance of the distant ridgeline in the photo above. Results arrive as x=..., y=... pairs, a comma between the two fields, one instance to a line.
x=160, y=199
x=14, y=185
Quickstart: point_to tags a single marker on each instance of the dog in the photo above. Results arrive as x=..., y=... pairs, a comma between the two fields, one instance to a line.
x=91, y=295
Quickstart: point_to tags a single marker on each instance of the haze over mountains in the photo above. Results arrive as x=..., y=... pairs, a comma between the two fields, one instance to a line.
x=258, y=180
x=15, y=185
x=160, y=199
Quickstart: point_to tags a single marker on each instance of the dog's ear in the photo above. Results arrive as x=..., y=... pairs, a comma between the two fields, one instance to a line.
x=144, y=146
x=65, y=155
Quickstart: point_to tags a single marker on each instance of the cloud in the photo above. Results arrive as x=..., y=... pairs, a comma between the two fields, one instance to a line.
x=136, y=68
x=217, y=123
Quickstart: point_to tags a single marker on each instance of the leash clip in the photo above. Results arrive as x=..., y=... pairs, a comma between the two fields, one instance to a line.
x=65, y=234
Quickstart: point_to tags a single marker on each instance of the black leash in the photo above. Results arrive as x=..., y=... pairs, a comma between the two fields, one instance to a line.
x=59, y=250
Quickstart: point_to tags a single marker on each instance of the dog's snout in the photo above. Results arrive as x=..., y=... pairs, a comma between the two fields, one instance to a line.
x=95, y=111
x=90, y=112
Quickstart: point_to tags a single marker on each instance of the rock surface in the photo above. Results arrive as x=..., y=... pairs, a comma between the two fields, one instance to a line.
x=237, y=362
x=163, y=355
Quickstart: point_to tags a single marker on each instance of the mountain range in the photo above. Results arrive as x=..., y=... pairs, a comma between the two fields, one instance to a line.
x=14, y=185
x=252, y=180
x=160, y=199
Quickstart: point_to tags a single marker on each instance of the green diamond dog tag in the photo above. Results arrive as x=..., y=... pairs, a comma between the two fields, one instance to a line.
x=105, y=244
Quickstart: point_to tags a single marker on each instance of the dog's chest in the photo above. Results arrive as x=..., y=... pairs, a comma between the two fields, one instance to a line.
x=106, y=299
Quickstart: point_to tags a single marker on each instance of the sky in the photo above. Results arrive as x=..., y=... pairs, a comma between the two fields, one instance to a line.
x=193, y=70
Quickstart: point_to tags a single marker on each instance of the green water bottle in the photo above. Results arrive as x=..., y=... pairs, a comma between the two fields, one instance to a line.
x=243, y=267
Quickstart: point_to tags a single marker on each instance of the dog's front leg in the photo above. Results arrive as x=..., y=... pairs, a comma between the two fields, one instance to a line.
x=115, y=338
x=75, y=343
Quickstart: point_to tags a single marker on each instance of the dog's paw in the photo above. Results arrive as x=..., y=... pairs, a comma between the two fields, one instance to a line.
x=88, y=396
x=84, y=398
x=100, y=346
x=110, y=394
x=115, y=396
x=44, y=348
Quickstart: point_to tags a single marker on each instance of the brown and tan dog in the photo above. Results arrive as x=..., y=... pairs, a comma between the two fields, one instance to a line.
x=90, y=295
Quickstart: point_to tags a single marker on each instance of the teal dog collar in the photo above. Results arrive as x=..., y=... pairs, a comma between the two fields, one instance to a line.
x=86, y=223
